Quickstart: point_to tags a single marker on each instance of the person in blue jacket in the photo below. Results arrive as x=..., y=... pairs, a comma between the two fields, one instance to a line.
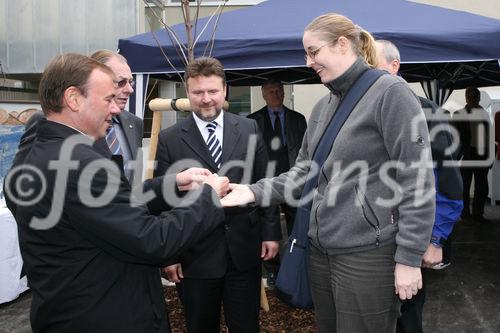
x=448, y=182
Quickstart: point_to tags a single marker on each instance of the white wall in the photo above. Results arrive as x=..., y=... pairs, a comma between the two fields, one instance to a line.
x=306, y=96
x=490, y=8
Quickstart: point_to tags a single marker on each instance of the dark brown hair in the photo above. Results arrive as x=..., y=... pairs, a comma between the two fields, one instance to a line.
x=64, y=71
x=205, y=66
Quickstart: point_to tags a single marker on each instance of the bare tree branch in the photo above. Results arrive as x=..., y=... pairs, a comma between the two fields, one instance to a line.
x=198, y=5
x=167, y=27
x=186, y=51
x=212, y=38
x=174, y=39
x=165, y=55
x=189, y=29
x=206, y=25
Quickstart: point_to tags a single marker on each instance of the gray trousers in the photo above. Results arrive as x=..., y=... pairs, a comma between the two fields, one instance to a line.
x=354, y=292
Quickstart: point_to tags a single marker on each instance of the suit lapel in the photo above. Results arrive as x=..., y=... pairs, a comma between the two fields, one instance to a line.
x=192, y=137
x=231, y=136
x=129, y=132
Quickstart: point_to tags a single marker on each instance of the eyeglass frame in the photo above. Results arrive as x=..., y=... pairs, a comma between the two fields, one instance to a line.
x=312, y=54
x=122, y=83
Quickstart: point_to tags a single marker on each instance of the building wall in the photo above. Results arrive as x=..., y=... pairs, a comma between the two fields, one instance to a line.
x=173, y=15
x=490, y=8
x=33, y=31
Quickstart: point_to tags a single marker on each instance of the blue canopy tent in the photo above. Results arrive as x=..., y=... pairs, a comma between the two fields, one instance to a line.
x=446, y=49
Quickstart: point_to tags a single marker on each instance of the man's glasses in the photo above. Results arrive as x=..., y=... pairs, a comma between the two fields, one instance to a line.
x=124, y=82
x=313, y=53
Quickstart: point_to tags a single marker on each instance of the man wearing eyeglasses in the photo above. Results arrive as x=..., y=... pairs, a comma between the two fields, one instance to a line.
x=125, y=138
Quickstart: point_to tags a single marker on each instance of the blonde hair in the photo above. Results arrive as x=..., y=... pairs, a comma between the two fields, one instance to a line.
x=332, y=26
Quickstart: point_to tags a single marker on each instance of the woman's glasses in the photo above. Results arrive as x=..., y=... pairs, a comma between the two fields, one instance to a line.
x=311, y=54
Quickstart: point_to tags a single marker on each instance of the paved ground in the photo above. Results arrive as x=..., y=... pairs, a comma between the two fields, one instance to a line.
x=464, y=297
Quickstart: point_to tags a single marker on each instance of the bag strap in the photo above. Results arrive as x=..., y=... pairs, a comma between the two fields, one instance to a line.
x=353, y=96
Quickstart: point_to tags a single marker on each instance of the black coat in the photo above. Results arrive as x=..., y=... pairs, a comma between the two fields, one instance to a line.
x=244, y=228
x=295, y=127
x=96, y=269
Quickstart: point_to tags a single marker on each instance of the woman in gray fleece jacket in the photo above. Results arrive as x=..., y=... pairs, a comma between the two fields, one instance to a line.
x=373, y=208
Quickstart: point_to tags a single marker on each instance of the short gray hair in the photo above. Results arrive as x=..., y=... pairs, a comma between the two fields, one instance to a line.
x=272, y=82
x=390, y=50
x=103, y=56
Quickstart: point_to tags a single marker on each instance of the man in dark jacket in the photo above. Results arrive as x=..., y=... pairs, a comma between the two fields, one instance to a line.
x=225, y=267
x=283, y=130
x=91, y=251
x=448, y=191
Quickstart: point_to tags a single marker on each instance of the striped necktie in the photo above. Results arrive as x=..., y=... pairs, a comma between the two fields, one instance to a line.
x=112, y=140
x=213, y=144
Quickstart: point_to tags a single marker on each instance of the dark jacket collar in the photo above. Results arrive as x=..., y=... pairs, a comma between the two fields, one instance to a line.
x=55, y=130
x=340, y=86
x=50, y=130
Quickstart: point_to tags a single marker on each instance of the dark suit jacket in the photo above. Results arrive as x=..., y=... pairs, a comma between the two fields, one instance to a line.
x=96, y=270
x=133, y=128
x=295, y=127
x=244, y=228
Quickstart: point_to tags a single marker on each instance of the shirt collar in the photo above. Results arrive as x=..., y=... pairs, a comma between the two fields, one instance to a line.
x=272, y=110
x=202, y=123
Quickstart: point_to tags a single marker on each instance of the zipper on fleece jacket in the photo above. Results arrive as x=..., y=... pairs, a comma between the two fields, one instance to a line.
x=376, y=226
x=322, y=170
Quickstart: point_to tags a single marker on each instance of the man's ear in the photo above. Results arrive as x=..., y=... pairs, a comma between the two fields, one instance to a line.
x=395, y=66
x=72, y=98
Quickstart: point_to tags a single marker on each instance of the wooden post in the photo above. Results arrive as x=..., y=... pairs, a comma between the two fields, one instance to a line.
x=264, y=304
x=153, y=143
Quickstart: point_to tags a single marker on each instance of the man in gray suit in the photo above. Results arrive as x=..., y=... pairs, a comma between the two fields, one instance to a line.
x=127, y=128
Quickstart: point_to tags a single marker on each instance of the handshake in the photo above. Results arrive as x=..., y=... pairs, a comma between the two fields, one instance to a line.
x=230, y=194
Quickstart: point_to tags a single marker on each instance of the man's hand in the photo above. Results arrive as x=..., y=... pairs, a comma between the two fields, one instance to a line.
x=432, y=256
x=191, y=178
x=174, y=273
x=239, y=195
x=269, y=250
x=407, y=281
x=219, y=184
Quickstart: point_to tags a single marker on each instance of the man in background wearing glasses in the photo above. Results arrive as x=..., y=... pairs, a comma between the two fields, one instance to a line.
x=125, y=138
